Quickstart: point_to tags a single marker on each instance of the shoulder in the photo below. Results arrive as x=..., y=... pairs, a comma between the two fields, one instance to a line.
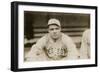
x=69, y=43
x=40, y=43
x=65, y=37
x=43, y=38
x=86, y=32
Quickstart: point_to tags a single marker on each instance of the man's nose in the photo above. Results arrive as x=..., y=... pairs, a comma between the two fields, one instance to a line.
x=54, y=31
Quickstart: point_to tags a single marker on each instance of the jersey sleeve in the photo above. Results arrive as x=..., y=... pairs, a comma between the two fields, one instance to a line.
x=36, y=52
x=71, y=47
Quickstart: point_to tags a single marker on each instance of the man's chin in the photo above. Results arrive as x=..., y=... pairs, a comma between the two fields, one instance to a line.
x=55, y=38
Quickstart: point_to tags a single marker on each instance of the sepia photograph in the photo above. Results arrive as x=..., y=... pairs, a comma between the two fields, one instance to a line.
x=52, y=36
x=56, y=36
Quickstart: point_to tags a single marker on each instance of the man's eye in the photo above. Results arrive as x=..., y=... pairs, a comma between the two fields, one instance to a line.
x=51, y=29
x=57, y=28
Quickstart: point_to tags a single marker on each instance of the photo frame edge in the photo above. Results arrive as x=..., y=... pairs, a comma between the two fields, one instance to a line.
x=14, y=36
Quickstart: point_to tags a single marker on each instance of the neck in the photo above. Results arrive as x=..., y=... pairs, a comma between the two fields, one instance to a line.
x=55, y=40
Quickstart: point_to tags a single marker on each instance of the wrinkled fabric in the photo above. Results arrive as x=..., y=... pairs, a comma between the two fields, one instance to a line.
x=46, y=49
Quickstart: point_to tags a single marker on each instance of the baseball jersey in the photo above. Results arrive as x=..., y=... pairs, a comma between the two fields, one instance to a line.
x=48, y=49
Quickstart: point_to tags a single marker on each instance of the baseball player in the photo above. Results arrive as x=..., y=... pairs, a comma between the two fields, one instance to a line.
x=85, y=46
x=53, y=46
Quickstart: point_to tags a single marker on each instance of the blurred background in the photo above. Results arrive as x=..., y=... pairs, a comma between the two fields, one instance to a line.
x=35, y=26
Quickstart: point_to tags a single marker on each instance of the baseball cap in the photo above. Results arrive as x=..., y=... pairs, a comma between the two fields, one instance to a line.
x=54, y=21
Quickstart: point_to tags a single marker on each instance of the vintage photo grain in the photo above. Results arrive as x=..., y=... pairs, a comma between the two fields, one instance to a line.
x=56, y=36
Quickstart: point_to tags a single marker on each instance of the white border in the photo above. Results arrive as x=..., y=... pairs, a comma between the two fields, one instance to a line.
x=22, y=64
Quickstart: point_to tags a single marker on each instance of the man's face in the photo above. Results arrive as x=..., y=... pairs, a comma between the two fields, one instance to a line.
x=54, y=31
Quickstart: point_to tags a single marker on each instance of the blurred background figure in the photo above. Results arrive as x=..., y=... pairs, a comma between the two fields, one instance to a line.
x=85, y=45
